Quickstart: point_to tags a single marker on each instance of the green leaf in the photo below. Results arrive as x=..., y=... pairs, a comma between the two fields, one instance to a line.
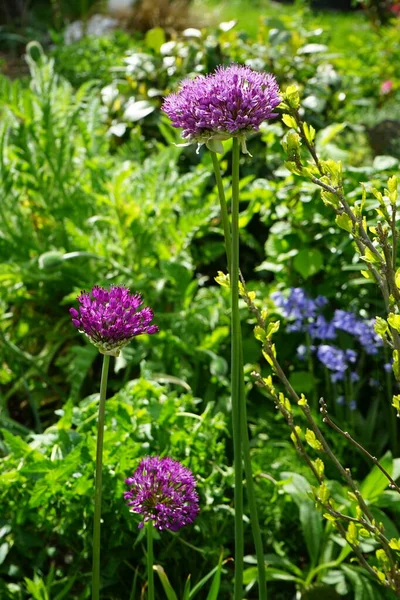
x=326, y=135
x=289, y=121
x=155, y=38
x=216, y=583
x=376, y=482
x=203, y=581
x=18, y=447
x=312, y=440
x=186, y=591
x=311, y=520
x=50, y=260
x=344, y=222
x=363, y=589
x=67, y=585
x=272, y=328
x=352, y=535
x=397, y=278
x=309, y=132
x=394, y=321
x=395, y=544
x=292, y=96
x=381, y=326
x=168, y=589
x=308, y=262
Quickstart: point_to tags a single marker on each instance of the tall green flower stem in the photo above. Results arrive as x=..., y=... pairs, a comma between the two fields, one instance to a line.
x=99, y=474
x=150, y=560
x=236, y=368
x=241, y=430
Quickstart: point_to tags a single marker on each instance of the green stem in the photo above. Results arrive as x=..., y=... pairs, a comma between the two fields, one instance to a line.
x=224, y=209
x=391, y=413
x=311, y=371
x=243, y=421
x=99, y=472
x=150, y=572
x=251, y=495
x=236, y=373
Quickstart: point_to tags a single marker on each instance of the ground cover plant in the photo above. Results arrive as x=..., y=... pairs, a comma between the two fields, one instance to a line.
x=99, y=194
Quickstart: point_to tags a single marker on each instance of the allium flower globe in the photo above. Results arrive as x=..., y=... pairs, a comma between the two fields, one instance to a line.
x=163, y=491
x=111, y=319
x=230, y=102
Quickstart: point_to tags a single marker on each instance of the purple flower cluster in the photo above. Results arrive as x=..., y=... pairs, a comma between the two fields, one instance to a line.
x=111, y=319
x=307, y=318
x=230, y=102
x=163, y=490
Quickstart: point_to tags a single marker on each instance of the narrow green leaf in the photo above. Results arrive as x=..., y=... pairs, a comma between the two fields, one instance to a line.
x=186, y=591
x=214, y=590
x=168, y=589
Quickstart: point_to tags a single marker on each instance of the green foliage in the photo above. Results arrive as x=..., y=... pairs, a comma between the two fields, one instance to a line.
x=93, y=191
x=46, y=485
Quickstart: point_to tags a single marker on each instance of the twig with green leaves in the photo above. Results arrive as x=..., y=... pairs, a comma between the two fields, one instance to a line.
x=363, y=524
x=376, y=244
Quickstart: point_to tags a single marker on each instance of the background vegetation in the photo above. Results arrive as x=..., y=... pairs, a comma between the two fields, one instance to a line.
x=94, y=191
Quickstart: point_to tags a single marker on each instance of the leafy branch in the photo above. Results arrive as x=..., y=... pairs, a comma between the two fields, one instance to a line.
x=376, y=244
x=350, y=528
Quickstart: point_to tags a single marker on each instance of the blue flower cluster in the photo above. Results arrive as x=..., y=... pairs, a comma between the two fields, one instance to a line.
x=337, y=360
x=361, y=329
x=307, y=318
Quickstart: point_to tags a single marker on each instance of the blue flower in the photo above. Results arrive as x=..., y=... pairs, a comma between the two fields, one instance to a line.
x=300, y=307
x=322, y=329
x=361, y=329
x=333, y=358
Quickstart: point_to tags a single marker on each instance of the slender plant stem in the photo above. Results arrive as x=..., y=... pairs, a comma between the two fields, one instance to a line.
x=251, y=495
x=244, y=432
x=389, y=409
x=311, y=371
x=150, y=560
x=99, y=473
x=236, y=373
x=224, y=209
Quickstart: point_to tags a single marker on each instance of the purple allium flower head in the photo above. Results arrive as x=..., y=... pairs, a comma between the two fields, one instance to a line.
x=163, y=490
x=111, y=319
x=228, y=103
